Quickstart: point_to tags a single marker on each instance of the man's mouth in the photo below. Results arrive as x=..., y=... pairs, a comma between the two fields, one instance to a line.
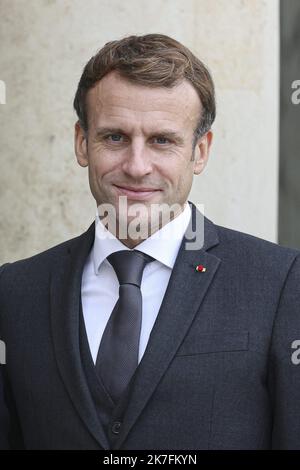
x=136, y=192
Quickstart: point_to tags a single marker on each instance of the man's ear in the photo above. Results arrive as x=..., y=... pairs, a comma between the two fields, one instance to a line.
x=80, y=145
x=202, y=152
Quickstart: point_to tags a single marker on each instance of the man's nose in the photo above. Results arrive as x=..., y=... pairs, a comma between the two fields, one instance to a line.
x=137, y=162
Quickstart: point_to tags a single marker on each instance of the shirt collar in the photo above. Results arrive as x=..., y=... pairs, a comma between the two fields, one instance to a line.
x=163, y=245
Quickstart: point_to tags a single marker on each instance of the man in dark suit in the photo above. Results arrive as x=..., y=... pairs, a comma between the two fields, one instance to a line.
x=142, y=333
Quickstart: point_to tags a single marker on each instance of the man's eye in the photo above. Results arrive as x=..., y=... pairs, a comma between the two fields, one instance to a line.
x=114, y=137
x=162, y=140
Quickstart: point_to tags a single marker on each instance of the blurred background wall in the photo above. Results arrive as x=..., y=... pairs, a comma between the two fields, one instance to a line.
x=44, y=44
x=289, y=173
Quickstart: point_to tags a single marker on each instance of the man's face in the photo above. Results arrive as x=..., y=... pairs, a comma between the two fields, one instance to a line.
x=139, y=142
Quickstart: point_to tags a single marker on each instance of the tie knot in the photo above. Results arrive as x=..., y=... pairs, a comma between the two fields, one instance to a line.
x=129, y=265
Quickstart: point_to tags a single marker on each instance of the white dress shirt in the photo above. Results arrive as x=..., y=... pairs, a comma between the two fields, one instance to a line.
x=100, y=285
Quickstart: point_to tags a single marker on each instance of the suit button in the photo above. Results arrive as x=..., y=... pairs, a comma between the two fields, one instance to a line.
x=116, y=427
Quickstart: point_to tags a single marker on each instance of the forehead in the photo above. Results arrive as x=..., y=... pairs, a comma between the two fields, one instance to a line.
x=116, y=99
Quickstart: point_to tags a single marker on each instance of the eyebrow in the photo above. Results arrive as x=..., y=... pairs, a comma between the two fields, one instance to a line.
x=100, y=131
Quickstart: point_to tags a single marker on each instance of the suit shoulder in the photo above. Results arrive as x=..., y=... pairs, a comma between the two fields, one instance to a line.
x=253, y=248
x=3, y=267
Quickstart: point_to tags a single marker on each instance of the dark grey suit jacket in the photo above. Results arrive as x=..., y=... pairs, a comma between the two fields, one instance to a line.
x=217, y=372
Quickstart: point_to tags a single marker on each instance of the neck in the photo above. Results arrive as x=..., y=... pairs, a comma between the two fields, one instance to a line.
x=134, y=232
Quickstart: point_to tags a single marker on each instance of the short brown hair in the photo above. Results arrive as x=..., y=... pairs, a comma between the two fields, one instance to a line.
x=153, y=60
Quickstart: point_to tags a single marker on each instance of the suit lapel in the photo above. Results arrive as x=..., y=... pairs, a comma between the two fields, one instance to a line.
x=184, y=295
x=65, y=297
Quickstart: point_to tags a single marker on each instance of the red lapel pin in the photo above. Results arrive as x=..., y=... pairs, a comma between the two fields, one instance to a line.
x=200, y=268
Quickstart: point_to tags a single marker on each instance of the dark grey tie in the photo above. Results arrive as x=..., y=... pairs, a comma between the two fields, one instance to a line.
x=117, y=356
